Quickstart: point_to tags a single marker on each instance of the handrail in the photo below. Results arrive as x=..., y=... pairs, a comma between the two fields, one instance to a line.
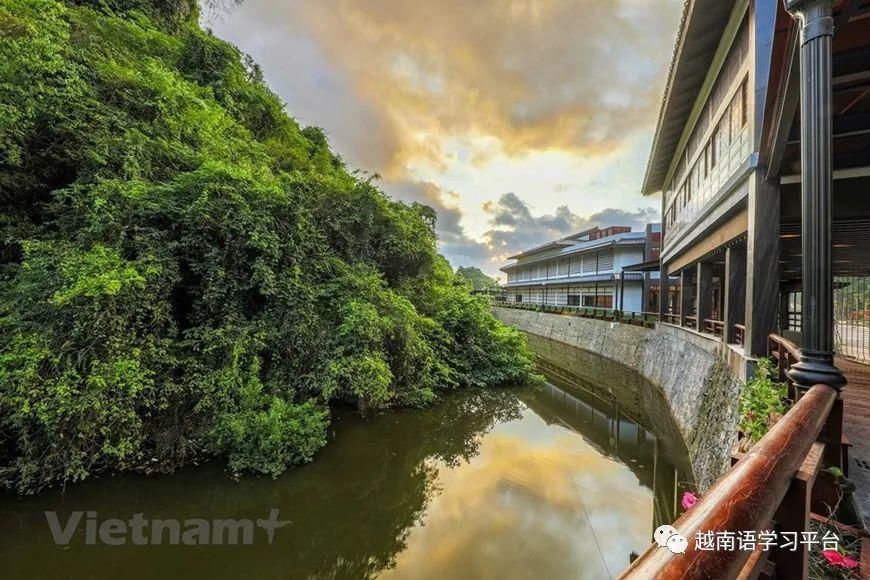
x=785, y=353
x=715, y=327
x=745, y=498
x=783, y=344
x=739, y=334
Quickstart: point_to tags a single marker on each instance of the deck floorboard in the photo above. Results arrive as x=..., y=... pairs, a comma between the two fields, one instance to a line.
x=856, y=425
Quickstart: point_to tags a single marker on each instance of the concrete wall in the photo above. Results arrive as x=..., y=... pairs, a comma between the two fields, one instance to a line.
x=701, y=388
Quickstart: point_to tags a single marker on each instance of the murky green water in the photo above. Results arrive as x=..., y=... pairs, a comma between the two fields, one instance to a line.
x=555, y=481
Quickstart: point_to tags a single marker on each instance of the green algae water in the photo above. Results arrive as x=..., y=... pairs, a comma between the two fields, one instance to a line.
x=562, y=480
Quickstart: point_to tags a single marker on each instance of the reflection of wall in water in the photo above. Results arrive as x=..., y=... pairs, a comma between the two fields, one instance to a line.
x=617, y=428
x=638, y=399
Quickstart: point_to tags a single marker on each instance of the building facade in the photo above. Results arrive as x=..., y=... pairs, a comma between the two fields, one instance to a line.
x=727, y=161
x=591, y=269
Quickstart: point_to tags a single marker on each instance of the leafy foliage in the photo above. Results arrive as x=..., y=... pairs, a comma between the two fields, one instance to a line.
x=762, y=402
x=185, y=271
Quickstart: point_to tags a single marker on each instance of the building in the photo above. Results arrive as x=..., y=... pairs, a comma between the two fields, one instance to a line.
x=595, y=268
x=741, y=234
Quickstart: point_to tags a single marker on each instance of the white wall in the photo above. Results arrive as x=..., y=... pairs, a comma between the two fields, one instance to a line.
x=627, y=256
x=633, y=296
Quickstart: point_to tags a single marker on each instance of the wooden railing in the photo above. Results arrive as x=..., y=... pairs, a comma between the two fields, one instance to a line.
x=646, y=319
x=784, y=353
x=672, y=318
x=770, y=487
x=714, y=327
x=747, y=498
x=691, y=322
x=739, y=334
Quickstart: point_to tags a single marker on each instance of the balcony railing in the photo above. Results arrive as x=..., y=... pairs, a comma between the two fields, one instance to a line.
x=739, y=334
x=714, y=327
x=645, y=319
x=785, y=353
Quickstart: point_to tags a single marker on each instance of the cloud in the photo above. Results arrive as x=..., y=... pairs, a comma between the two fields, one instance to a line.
x=514, y=228
x=457, y=101
x=518, y=75
x=456, y=245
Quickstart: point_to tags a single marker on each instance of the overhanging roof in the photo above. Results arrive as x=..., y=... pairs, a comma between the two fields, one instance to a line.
x=700, y=31
x=541, y=248
x=651, y=266
x=622, y=239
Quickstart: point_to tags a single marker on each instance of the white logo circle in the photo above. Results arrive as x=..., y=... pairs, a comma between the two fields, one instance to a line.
x=662, y=534
x=677, y=544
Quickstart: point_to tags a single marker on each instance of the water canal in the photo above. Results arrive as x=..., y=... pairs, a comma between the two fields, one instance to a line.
x=562, y=480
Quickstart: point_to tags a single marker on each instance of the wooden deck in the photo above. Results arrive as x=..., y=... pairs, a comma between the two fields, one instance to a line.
x=856, y=425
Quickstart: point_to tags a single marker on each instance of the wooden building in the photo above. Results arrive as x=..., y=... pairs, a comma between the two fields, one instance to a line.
x=726, y=158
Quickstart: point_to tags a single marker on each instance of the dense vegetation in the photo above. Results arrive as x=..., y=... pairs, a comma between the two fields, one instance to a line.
x=186, y=272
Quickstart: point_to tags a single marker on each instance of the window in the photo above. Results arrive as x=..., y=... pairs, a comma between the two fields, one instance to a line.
x=518, y=298
x=599, y=301
x=793, y=311
x=688, y=186
x=576, y=267
x=573, y=300
x=714, y=148
x=744, y=104
x=706, y=160
x=605, y=261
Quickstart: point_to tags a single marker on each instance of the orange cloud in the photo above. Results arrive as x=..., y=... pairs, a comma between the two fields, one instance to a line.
x=580, y=75
x=529, y=511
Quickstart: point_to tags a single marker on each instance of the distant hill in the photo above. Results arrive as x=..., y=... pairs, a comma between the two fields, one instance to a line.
x=479, y=280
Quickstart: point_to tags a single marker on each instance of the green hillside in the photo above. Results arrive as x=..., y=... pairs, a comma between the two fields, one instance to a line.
x=186, y=272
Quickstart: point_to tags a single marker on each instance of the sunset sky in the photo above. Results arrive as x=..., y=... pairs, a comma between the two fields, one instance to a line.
x=519, y=121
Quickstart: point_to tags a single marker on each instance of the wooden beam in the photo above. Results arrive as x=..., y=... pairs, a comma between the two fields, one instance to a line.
x=786, y=108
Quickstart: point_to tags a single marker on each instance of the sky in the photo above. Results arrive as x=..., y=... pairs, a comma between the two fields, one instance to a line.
x=518, y=121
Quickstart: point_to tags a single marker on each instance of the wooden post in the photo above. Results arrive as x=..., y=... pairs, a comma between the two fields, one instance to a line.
x=704, y=294
x=622, y=291
x=734, y=290
x=687, y=295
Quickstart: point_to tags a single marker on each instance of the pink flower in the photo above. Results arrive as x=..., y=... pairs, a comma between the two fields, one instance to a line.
x=689, y=500
x=837, y=559
x=834, y=557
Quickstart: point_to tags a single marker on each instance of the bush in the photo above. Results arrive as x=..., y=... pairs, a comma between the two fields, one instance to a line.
x=185, y=272
x=762, y=402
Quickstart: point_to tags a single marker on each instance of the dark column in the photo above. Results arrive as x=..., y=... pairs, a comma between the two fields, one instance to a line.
x=645, y=305
x=734, y=288
x=704, y=299
x=622, y=291
x=687, y=294
x=817, y=355
x=762, y=264
x=664, y=293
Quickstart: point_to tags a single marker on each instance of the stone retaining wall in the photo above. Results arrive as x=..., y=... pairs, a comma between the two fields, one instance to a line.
x=701, y=388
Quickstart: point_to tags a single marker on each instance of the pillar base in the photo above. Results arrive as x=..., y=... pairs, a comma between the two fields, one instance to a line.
x=817, y=368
